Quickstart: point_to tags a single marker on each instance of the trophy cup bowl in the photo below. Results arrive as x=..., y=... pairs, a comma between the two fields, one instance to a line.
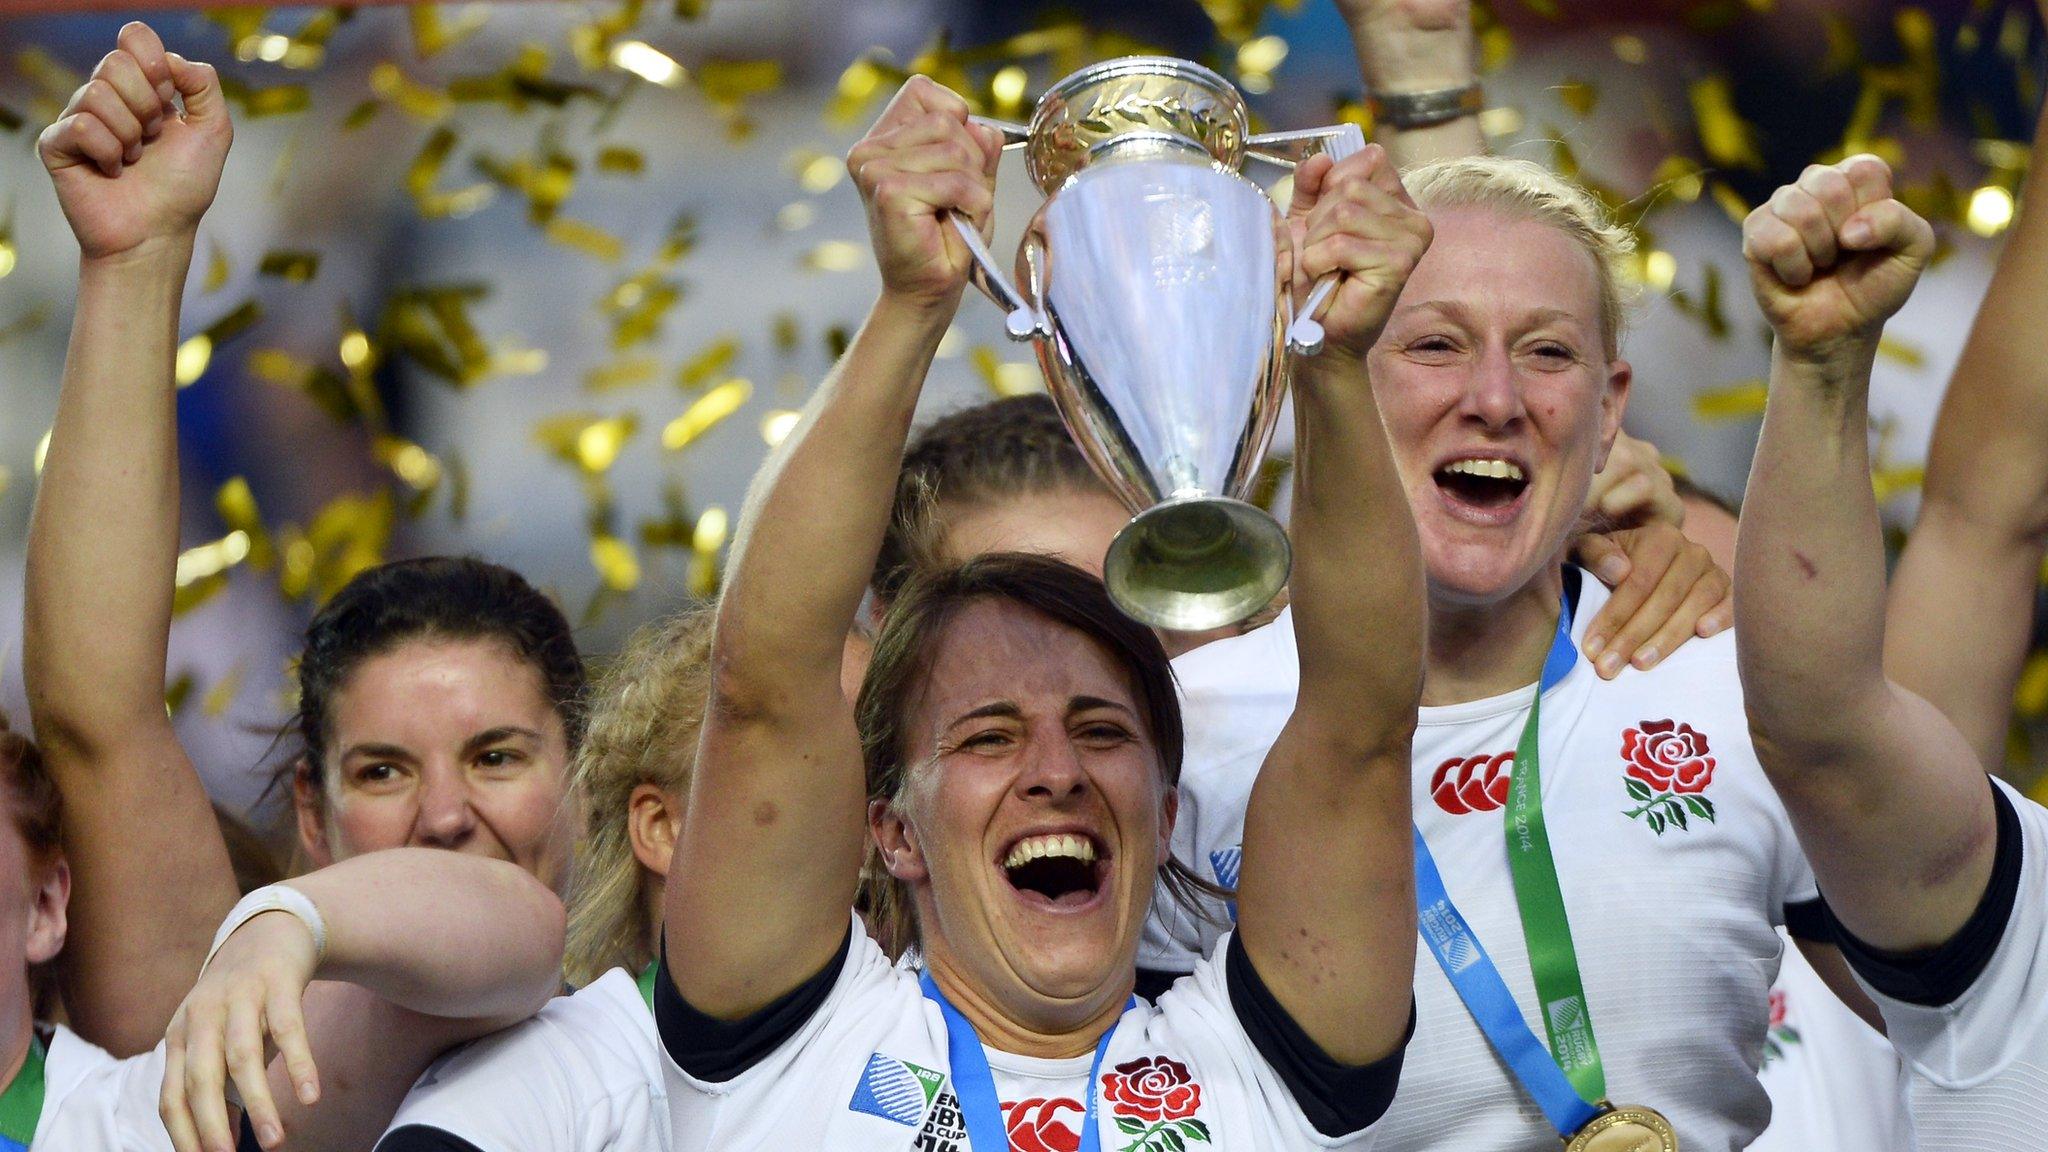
x=1154, y=283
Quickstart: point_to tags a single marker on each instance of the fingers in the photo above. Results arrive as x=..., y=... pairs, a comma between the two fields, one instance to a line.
x=1600, y=554
x=199, y=86
x=287, y=1024
x=1650, y=553
x=1309, y=177
x=1889, y=226
x=205, y=1086
x=99, y=100
x=245, y=1063
x=140, y=43
x=123, y=75
x=171, y=1105
x=1768, y=240
x=1667, y=570
x=81, y=138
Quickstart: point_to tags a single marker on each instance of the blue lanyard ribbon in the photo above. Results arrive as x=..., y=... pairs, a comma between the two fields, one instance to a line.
x=1472, y=972
x=975, y=1085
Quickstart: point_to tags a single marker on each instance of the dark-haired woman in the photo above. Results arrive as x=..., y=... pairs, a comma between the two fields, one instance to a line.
x=1020, y=746
x=452, y=936
x=440, y=697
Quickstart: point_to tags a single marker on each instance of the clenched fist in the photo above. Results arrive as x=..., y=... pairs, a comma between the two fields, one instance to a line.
x=129, y=167
x=922, y=159
x=1355, y=218
x=1832, y=257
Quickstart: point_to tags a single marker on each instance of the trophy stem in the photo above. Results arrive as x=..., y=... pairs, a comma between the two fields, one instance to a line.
x=1197, y=562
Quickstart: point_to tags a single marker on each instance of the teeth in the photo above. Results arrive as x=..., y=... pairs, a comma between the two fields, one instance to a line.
x=1037, y=847
x=1497, y=469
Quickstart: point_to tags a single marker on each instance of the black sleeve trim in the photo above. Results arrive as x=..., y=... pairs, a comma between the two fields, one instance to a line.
x=1933, y=977
x=716, y=1051
x=1338, y=1099
x=1808, y=920
x=1152, y=983
x=420, y=1138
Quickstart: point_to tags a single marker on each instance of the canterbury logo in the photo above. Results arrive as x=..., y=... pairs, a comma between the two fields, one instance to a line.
x=1472, y=783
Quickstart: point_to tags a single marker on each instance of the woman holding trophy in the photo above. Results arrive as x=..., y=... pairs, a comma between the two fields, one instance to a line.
x=1023, y=737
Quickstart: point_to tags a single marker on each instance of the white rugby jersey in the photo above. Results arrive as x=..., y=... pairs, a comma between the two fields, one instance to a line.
x=582, y=1076
x=1835, y=1083
x=1674, y=918
x=867, y=1069
x=1979, y=1056
x=93, y=1101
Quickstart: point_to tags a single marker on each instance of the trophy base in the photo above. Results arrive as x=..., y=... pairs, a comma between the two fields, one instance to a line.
x=1196, y=563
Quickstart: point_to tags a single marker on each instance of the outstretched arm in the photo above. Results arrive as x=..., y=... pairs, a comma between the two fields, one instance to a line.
x=1407, y=47
x=1890, y=803
x=1962, y=599
x=151, y=876
x=1326, y=899
x=432, y=944
x=776, y=821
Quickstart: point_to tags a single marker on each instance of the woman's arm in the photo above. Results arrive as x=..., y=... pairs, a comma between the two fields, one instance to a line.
x=1889, y=801
x=440, y=946
x=151, y=875
x=776, y=821
x=1326, y=900
x=1406, y=47
x=1962, y=601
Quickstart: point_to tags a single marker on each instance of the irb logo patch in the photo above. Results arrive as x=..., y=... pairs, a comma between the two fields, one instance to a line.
x=896, y=1090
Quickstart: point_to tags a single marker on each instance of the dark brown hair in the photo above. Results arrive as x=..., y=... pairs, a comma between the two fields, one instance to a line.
x=434, y=598
x=37, y=810
x=988, y=453
x=903, y=656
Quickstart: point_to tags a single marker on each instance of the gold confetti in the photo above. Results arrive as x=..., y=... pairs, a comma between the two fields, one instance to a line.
x=617, y=565
x=196, y=564
x=706, y=412
x=431, y=326
x=1004, y=378
x=1889, y=483
x=10, y=120
x=858, y=85
x=648, y=63
x=2030, y=696
x=786, y=332
x=589, y=442
x=1901, y=351
x=778, y=424
x=591, y=42
x=1707, y=309
x=25, y=324
x=346, y=537
x=1730, y=200
x=619, y=160
x=320, y=384
x=709, y=364
x=817, y=172
x=1740, y=400
x=178, y=690
x=730, y=81
x=1990, y=210
x=585, y=237
x=236, y=506
x=1727, y=139
x=413, y=98
x=1630, y=49
x=833, y=256
x=637, y=306
x=52, y=78
x=425, y=173
x=432, y=35
x=795, y=216
x=7, y=256
x=412, y=464
x=42, y=451
x=1659, y=269
x=217, y=271
x=546, y=181
x=705, y=541
x=197, y=352
x=276, y=100
x=631, y=372
x=1578, y=95
x=1006, y=88
x=221, y=696
x=297, y=267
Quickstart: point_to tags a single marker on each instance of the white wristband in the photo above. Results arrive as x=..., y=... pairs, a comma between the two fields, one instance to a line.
x=272, y=898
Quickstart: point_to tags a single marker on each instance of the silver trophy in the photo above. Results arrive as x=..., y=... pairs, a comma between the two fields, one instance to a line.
x=1154, y=283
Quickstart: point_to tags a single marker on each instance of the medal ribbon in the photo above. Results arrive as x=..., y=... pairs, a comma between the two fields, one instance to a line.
x=1564, y=1078
x=22, y=1104
x=975, y=1084
x=646, y=983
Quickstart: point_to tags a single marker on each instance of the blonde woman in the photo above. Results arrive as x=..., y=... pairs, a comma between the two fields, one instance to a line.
x=589, y=1066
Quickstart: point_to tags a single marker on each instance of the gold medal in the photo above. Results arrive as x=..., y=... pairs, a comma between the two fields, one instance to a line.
x=1625, y=1129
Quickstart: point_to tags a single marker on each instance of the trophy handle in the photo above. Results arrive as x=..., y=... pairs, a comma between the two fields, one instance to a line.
x=1289, y=149
x=1014, y=135
x=1023, y=321
x=1305, y=335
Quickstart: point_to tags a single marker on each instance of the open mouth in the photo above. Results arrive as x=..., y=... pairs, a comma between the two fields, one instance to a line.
x=1063, y=870
x=1485, y=483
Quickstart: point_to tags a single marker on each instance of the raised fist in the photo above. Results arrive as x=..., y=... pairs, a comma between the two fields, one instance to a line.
x=1833, y=256
x=922, y=159
x=128, y=166
x=1355, y=218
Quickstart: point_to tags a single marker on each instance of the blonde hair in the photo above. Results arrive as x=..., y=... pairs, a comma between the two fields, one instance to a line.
x=1525, y=189
x=647, y=711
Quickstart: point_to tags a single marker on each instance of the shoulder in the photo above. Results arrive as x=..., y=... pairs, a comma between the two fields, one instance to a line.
x=92, y=1100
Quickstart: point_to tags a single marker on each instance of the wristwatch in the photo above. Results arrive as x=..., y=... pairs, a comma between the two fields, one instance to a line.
x=1405, y=110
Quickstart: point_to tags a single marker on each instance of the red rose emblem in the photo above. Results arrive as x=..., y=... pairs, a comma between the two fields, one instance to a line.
x=1152, y=1089
x=1472, y=783
x=1035, y=1125
x=1668, y=756
x=1777, y=1010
